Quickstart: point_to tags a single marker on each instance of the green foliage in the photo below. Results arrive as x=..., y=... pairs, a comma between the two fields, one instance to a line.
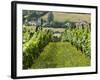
x=42, y=49
x=27, y=33
x=32, y=48
x=80, y=38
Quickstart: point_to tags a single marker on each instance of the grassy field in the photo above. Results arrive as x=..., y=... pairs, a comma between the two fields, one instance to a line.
x=61, y=54
x=74, y=17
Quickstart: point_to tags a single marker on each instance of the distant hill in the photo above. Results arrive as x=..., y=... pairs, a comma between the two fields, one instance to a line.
x=73, y=17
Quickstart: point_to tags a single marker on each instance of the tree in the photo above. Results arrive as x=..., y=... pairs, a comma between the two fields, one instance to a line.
x=50, y=18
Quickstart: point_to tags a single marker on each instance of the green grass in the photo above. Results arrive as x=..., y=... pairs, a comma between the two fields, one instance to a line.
x=61, y=54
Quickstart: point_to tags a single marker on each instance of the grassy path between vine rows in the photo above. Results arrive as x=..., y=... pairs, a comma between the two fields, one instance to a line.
x=61, y=54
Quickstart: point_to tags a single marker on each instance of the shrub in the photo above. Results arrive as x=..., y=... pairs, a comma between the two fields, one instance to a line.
x=32, y=48
x=78, y=37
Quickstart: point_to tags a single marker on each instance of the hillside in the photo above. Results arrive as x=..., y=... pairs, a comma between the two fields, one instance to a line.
x=74, y=17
